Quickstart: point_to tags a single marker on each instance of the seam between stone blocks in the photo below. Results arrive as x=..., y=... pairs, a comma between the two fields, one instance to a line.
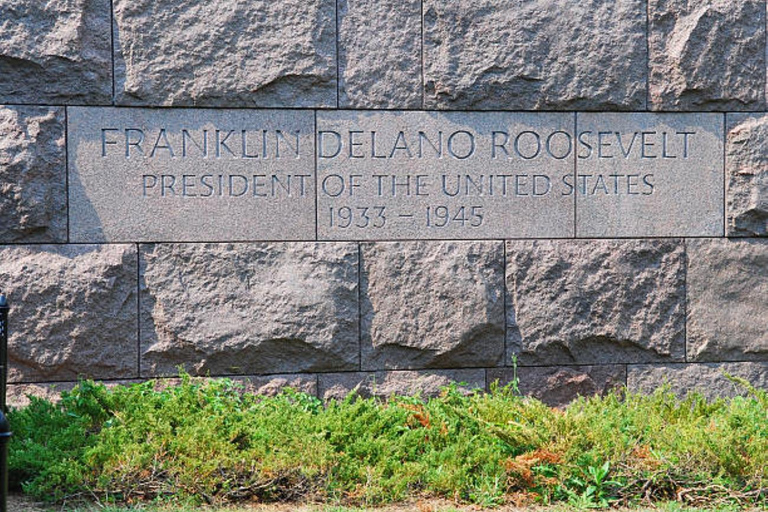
x=112, y=45
x=138, y=309
x=359, y=307
x=66, y=169
x=423, y=80
x=338, y=57
x=647, y=54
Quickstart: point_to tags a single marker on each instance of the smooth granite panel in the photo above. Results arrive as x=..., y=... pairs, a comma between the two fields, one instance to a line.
x=190, y=175
x=649, y=175
x=430, y=175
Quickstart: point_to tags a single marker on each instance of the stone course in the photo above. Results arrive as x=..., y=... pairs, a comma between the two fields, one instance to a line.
x=33, y=196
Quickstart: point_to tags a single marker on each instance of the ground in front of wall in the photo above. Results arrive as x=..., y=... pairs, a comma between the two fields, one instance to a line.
x=19, y=503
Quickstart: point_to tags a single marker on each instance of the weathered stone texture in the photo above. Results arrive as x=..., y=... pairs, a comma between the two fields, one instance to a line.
x=33, y=202
x=707, y=54
x=380, y=54
x=382, y=384
x=595, y=301
x=708, y=379
x=727, y=299
x=559, y=385
x=57, y=51
x=73, y=311
x=545, y=54
x=746, y=166
x=227, y=53
x=432, y=304
x=249, y=308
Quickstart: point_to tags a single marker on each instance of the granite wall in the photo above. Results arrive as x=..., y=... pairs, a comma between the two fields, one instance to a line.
x=575, y=315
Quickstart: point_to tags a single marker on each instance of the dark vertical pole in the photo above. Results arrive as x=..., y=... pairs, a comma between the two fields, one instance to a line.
x=3, y=349
x=5, y=429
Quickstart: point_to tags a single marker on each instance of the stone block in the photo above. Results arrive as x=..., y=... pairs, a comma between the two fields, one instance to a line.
x=432, y=304
x=557, y=386
x=33, y=175
x=73, y=311
x=706, y=54
x=746, y=166
x=727, y=298
x=190, y=175
x=229, y=53
x=648, y=175
x=709, y=379
x=549, y=54
x=380, y=54
x=266, y=385
x=451, y=175
x=595, y=301
x=382, y=384
x=55, y=52
x=229, y=309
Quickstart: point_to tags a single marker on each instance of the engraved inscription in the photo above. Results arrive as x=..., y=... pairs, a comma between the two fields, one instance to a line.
x=191, y=175
x=646, y=174
x=210, y=175
x=445, y=175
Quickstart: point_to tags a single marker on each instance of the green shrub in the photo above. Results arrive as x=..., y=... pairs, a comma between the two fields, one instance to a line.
x=207, y=440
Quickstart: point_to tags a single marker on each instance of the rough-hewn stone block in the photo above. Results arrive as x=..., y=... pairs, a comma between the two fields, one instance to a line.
x=33, y=200
x=228, y=53
x=595, y=301
x=383, y=384
x=707, y=54
x=559, y=385
x=727, y=300
x=644, y=175
x=746, y=166
x=380, y=54
x=73, y=311
x=249, y=308
x=708, y=379
x=550, y=54
x=55, y=52
x=432, y=304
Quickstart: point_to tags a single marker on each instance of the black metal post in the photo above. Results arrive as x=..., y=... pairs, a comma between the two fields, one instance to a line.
x=5, y=428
